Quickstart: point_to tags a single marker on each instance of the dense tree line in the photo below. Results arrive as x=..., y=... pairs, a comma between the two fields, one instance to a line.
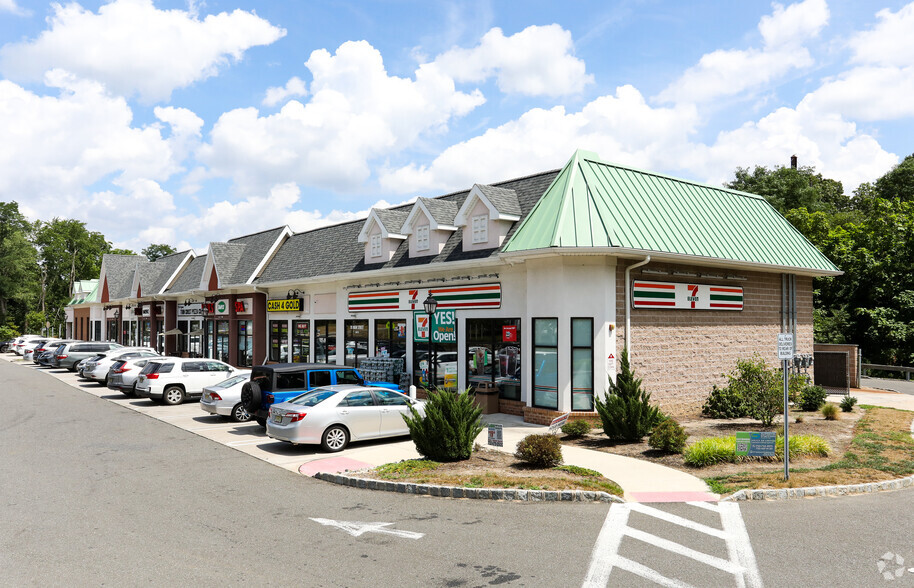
x=40, y=262
x=870, y=236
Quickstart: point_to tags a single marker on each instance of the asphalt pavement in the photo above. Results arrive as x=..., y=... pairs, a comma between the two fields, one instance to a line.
x=94, y=493
x=902, y=386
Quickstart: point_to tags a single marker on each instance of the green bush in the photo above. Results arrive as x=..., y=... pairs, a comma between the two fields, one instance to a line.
x=830, y=412
x=449, y=427
x=724, y=403
x=812, y=398
x=760, y=387
x=543, y=451
x=668, y=436
x=626, y=412
x=713, y=450
x=576, y=428
x=847, y=404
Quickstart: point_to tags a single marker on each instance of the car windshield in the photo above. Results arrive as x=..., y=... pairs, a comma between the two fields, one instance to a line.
x=313, y=398
x=232, y=381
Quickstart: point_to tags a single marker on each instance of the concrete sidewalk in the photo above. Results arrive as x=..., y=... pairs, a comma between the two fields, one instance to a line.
x=886, y=398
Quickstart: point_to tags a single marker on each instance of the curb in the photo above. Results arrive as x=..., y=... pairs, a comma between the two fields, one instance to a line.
x=508, y=495
x=815, y=491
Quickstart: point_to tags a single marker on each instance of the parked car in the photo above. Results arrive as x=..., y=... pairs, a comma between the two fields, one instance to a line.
x=173, y=380
x=98, y=368
x=73, y=353
x=335, y=415
x=283, y=381
x=6, y=346
x=224, y=398
x=48, y=345
x=124, y=373
x=28, y=349
x=51, y=350
x=22, y=340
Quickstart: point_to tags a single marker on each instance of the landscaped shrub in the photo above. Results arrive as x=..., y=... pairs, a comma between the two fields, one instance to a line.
x=847, y=405
x=830, y=412
x=760, y=387
x=712, y=450
x=626, y=412
x=668, y=436
x=449, y=427
x=799, y=418
x=542, y=451
x=724, y=403
x=812, y=398
x=576, y=428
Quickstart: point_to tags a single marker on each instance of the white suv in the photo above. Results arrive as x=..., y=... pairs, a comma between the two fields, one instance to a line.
x=98, y=367
x=173, y=380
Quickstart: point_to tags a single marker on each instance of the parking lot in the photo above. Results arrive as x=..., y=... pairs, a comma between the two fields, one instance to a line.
x=248, y=438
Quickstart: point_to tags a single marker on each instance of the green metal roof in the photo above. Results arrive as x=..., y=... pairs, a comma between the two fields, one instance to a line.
x=592, y=203
x=87, y=291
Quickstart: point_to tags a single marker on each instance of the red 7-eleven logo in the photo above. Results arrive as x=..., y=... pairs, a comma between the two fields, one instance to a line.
x=413, y=299
x=693, y=294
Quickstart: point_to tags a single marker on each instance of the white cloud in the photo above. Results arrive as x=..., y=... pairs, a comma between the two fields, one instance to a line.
x=537, y=61
x=882, y=83
x=357, y=113
x=134, y=48
x=13, y=7
x=295, y=87
x=732, y=72
x=621, y=128
x=52, y=147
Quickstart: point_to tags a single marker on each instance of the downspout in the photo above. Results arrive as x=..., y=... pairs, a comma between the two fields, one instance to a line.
x=628, y=304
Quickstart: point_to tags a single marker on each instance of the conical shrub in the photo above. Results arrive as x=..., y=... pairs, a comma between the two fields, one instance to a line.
x=449, y=427
x=626, y=411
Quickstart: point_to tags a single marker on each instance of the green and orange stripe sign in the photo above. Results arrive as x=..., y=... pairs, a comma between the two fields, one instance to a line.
x=674, y=295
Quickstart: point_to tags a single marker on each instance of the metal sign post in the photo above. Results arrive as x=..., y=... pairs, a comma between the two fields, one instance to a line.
x=785, y=354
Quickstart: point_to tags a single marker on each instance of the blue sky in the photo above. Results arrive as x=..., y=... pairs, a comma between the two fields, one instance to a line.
x=188, y=122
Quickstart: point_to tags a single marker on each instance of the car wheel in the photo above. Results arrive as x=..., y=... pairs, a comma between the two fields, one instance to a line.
x=334, y=439
x=261, y=422
x=240, y=414
x=173, y=395
x=251, y=398
x=107, y=381
x=131, y=392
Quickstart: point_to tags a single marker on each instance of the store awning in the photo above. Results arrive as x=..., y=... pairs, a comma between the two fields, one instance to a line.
x=173, y=332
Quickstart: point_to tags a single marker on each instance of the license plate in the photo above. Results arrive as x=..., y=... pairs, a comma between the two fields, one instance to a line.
x=277, y=418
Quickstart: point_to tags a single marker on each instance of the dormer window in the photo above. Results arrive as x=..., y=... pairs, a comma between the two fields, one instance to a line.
x=481, y=228
x=422, y=238
x=376, y=245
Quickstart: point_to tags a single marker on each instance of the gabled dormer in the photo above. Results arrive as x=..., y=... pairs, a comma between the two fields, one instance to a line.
x=486, y=217
x=429, y=225
x=381, y=234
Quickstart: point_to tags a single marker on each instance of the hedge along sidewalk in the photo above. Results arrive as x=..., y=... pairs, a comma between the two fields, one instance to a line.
x=506, y=494
x=837, y=490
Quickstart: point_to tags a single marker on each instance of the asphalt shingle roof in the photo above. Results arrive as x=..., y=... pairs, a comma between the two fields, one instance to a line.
x=336, y=250
x=237, y=259
x=190, y=278
x=503, y=199
x=392, y=219
x=119, y=273
x=443, y=211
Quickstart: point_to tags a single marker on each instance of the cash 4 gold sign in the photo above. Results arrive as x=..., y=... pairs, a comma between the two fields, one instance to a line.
x=285, y=305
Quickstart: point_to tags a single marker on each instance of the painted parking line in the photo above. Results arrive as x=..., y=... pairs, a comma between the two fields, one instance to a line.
x=741, y=563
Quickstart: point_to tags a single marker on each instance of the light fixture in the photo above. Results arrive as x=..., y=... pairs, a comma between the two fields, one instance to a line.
x=685, y=274
x=658, y=272
x=430, y=304
x=735, y=277
x=712, y=276
x=293, y=293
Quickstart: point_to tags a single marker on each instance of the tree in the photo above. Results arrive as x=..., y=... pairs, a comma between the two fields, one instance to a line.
x=122, y=252
x=898, y=182
x=34, y=321
x=157, y=250
x=17, y=258
x=787, y=188
x=627, y=412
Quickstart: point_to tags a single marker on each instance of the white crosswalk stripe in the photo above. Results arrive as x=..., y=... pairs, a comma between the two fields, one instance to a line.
x=605, y=558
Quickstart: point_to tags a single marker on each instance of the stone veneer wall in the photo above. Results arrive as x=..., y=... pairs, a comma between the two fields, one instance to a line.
x=681, y=354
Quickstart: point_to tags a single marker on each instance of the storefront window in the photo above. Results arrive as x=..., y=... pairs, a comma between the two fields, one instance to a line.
x=112, y=330
x=195, y=339
x=222, y=341
x=160, y=337
x=493, y=354
x=582, y=364
x=545, y=363
x=325, y=341
x=356, y=342
x=210, y=337
x=301, y=341
x=144, y=333
x=245, y=343
x=390, y=338
x=181, y=340
x=98, y=330
x=134, y=330
x=445, y=368
x=279, y=341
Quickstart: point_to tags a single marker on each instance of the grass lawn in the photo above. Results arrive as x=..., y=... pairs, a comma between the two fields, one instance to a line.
x=881, y=449
x=492, y=469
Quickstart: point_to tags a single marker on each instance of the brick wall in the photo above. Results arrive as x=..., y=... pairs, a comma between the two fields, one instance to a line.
x=544, y=416
x=681, y=354
x=515, y=407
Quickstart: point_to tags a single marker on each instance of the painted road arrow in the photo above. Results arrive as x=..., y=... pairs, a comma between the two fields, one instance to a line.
x=356, y=528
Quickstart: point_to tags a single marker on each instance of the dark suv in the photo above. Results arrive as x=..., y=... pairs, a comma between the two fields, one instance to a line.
x=280, y=382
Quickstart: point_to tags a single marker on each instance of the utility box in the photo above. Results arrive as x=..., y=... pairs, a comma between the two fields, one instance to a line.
x=487, y=397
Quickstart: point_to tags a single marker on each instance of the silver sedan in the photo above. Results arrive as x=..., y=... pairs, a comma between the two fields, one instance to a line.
x=335, y=415
x=224, y=398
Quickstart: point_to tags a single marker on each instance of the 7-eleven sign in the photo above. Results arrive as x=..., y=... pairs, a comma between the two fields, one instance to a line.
x=420, y=333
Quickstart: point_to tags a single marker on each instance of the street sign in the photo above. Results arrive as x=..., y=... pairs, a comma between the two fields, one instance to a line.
x=752, y=444
x=496, y=437
x=785, y=346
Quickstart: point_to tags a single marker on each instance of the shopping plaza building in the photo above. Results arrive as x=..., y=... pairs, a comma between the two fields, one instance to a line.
x=540, y=283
